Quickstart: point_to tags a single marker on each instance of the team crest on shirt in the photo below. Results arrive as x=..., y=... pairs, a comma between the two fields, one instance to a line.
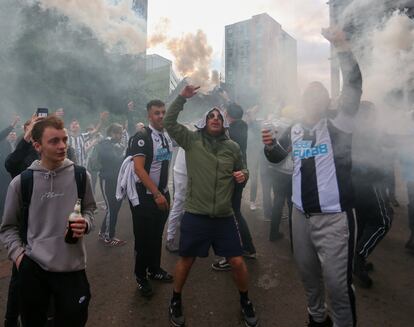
x=141, y=143
x=298, y=132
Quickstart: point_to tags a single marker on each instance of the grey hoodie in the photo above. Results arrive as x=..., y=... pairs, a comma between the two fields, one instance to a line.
x=53, y=199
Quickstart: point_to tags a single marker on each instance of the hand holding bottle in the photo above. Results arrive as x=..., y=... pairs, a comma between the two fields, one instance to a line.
x=77, y=225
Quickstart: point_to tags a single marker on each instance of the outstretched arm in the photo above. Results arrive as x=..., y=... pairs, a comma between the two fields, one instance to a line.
x=177, y=131
x=350, y=97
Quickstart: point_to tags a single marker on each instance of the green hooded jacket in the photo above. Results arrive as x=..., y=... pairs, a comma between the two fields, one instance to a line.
x=211, y=161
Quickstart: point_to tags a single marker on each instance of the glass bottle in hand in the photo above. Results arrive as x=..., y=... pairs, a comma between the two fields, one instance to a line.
x=69, y=238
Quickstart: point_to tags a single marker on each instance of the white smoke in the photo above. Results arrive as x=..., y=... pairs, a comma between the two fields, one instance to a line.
x=383, y=39
x=192, y=54
x=115, y=24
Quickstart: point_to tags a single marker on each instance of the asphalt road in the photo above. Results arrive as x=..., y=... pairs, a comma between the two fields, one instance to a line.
x=211, y=299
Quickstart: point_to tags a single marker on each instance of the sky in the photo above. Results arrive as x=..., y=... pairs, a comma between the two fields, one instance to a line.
x=302, y=19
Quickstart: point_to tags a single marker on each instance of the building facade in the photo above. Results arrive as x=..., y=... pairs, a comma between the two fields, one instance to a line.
x=160, y=79
x=260, y=63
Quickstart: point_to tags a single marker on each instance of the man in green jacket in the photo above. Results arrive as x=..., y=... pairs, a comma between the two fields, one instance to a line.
x=214, y=165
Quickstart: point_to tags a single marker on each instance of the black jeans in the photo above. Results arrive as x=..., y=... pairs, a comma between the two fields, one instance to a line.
x=70, y=293
x=243, y=227
x=282, y=188
x=108, y=187
x=148, y=224
x=12, y=311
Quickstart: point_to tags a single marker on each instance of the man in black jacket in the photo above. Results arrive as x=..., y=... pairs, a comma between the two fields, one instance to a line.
x=24, y=153
x=238, y=133
x=109, y=155
x=5, y=149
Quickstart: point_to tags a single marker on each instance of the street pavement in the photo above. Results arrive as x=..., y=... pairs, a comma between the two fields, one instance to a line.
x=211, y=299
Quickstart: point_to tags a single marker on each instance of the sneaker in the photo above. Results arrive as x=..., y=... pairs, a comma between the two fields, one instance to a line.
x=327, y=323
x=161, y=275
x=175, y=313
x=361, y=273
x=145, y=287
x=102, y=237
x=249, y=315
x=276, y=237
x=253, y=206
x=169, y=245
x=114, y=242
x=221, y=265
x=249, y=255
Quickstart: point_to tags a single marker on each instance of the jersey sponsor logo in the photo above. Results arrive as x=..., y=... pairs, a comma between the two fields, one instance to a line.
x=141, y=143
x=304, y=150
x=163, y=154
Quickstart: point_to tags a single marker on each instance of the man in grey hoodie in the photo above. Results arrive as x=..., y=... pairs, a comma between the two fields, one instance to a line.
x=48, y=267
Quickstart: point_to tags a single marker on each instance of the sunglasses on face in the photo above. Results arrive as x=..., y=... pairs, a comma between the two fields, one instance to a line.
x=213, y=115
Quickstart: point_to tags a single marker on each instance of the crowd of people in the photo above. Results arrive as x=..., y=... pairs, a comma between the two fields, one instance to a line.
x=322, y=168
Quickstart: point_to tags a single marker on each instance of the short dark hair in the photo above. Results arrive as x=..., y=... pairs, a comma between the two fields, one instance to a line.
x=235, y=111
x=40, y=126
x=155, y=103
x=114, y=128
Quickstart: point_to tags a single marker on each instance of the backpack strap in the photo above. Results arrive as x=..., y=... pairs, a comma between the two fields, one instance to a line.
x=80, y=178
x=26, y=185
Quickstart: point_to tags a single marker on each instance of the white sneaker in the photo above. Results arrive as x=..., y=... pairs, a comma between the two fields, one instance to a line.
x=253, y=206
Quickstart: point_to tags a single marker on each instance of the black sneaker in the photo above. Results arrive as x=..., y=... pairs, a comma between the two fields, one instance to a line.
x=327, y=323
x=175, y=313
x=221, y=265
x=161, y=275
x=144, y=287
x=249, y=315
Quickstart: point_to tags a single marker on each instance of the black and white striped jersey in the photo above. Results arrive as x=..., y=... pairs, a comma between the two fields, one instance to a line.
x=156, y=146
x=321, y=153
x=78, y=143
x=322, y=168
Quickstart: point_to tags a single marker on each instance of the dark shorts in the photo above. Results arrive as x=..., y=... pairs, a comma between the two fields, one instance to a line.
x=199, y=232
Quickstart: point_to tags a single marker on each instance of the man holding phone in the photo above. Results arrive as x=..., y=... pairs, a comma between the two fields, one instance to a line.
x=42, y=112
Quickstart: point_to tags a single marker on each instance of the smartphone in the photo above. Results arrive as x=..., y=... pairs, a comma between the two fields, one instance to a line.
x=42, y=112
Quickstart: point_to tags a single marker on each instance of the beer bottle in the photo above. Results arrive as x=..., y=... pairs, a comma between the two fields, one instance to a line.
x=75, y=214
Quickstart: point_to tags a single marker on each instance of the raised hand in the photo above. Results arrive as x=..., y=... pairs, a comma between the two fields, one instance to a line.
x=336, y=36
x=15, y=121
x=104, y=115
x=189, y=91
